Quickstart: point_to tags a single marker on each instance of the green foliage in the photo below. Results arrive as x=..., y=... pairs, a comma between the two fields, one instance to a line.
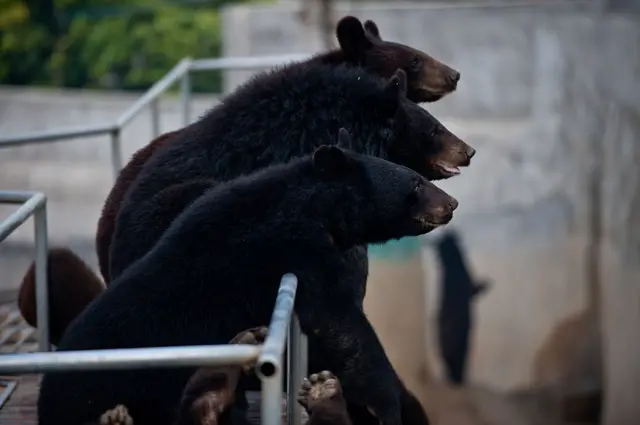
x=123, y=44
x=23, y=47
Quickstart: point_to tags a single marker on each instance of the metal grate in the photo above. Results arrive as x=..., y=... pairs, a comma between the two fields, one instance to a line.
x=16, y=335
x=7, y=386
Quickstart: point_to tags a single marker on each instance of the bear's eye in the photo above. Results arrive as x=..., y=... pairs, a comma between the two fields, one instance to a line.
x=413, y=197
x=415, y=63
x=434, y=132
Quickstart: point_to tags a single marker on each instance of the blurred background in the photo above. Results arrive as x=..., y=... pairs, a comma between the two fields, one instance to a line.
x=525, y=309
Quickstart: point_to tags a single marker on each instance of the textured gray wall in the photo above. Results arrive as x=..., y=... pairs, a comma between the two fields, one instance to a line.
x=492, y=46
x=600, y=114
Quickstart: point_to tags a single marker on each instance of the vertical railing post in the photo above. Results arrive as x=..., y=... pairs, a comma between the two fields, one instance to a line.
x=297, y=359
x=185, y=97
x=42, y=290
x=270, y=365
x=116, y=153
x=155, y=118
x=271, y=403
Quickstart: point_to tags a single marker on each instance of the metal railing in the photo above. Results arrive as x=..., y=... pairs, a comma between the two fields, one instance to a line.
x=284, y=326
x=181, y=72
x=33, y=203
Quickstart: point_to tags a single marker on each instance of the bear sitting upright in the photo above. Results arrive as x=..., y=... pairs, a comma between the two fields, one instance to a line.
x=267, y=117
x=360, y=46
x=216, y=271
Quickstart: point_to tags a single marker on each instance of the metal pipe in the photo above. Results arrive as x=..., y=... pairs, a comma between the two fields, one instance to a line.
x=55, y=135
x=42, y=288
x=21, y=215
x=245, y=62
x=116, y=153
x=291, y=364
x=270, y=360
x=15, y=196
x=481, y=5
x=129, y=358
x=297, y=369
x=155, y=118
x=154, y=91
x=271, y=403
x=185, y=97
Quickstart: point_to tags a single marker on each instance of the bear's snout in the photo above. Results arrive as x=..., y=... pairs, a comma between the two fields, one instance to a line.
x=437, y=206
x=454, y=77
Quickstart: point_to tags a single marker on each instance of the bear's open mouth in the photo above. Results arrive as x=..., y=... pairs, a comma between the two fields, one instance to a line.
x=438, y=92
x=430, y=95
x=429, y=223
x=448, y=168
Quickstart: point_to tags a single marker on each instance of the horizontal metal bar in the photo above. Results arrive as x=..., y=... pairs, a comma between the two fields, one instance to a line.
x=15, y=196
x=245, y=62
x=413, y=6
x=129, y=358
x=55, y=135
x=270, y=360
x=21, y=215
x=154, y=91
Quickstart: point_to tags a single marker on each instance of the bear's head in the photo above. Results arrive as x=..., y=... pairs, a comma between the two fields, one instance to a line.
x=428, y=79
x=380, y=200
x=423, y=143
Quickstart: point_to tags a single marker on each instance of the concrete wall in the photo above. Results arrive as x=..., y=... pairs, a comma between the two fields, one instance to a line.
x=491, y=46
x=525, y=207
x=538, y=326
x=600, y=116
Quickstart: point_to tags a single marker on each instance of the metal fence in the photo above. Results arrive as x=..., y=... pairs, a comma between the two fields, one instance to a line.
x=33, y=203
x=283, y=328
x=181, y=72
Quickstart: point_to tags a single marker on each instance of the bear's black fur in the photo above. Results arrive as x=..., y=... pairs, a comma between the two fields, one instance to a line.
x=283, y=114
x=216, y=270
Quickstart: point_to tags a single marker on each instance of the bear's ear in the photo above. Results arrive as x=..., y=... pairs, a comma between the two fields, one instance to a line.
x=397, y=84
x=330, y=160
x=352, y=37
x=344, y=138
x=372, y=29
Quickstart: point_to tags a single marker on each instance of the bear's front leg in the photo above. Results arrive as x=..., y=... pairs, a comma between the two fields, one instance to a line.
x=351, y=350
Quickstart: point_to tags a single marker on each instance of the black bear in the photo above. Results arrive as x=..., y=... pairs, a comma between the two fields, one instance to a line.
x=65, y=268
x=216, y=270
x=458, y=290
x=360, y=46
x=242, y=135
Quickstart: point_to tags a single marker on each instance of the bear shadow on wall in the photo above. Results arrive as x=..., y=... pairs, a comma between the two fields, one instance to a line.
x=458, y=290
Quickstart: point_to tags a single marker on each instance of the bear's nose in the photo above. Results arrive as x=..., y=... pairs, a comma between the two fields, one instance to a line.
x=470, y=152
x=453, y=204
x=454, y=77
